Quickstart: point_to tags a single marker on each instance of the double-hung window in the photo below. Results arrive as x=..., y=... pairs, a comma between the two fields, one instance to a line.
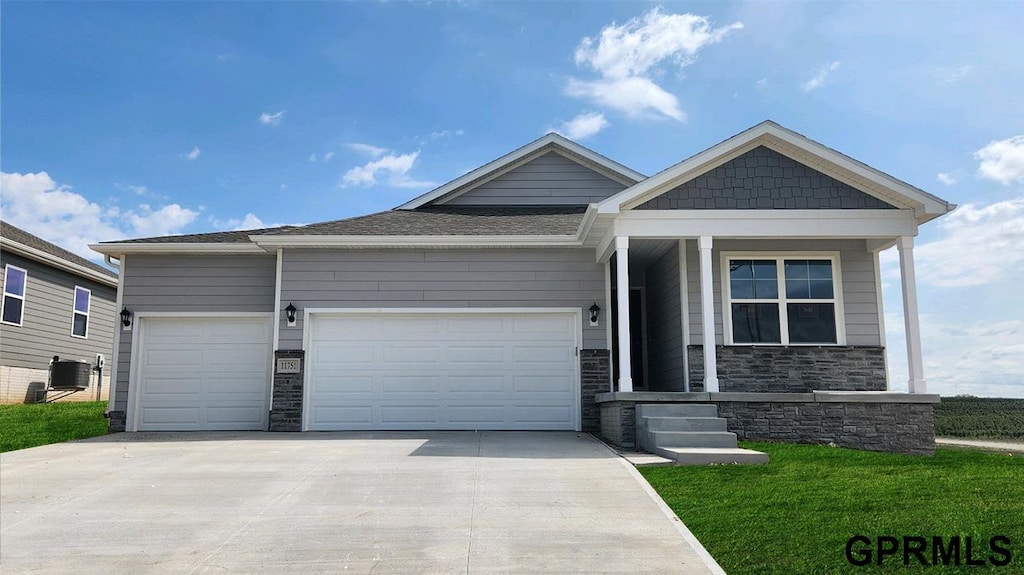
x=80, y=313
x=14, y=295
x=783, y=300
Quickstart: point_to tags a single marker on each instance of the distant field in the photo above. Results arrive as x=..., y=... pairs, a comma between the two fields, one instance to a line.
x=980, y=418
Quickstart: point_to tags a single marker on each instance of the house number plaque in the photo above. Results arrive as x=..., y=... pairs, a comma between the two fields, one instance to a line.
x=289, y=365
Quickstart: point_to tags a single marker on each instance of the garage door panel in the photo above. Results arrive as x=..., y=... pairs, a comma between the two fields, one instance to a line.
x=208, y=373
x=476, y=370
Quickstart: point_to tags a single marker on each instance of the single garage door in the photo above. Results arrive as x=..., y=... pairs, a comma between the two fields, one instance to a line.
x=210, y=373
x=442, y=371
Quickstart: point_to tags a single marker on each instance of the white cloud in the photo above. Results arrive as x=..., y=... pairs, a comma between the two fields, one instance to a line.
x=819, y=78
x=312, y=158
x=627, y=56
x=249, y=222
x=946, y=178
x=271, y=119
x=950, y=74
x=41, y=206
x=980, y=245
x=394, y=168
x=328, y=156
x=324, y=158
x=583, y=126
x=367, y=149
x=192, y=154
x=1002, y=160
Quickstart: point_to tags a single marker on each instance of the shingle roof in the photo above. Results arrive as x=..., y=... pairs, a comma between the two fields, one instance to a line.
x=19, y=235
x=238, y=236
x=453, y=221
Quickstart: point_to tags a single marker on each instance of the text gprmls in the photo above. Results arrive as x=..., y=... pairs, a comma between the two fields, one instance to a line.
x=917, y=550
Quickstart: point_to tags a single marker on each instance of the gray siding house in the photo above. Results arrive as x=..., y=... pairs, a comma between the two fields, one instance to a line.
x=552, y=288
x=55, y=303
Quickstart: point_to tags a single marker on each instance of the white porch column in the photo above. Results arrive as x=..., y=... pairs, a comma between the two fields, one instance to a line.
x=622, y=296
x=707, y=314
x=915, y=365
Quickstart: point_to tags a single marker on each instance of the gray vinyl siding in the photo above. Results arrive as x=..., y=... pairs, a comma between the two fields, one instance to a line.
x=860, y=299
x=47, y=315
x=550, y=179
x=763, y=179
x=191, y=283
x=458, y=278
x=664, y=324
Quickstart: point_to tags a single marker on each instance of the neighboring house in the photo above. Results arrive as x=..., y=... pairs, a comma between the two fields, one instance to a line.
x=55, y=303
x=470, y=307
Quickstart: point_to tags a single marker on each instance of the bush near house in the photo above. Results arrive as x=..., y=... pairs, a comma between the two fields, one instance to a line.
x=23, y=426
x=796, y=514
x=980, y=417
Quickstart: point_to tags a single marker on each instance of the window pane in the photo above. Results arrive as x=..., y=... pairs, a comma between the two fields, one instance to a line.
x=742, y=289
x=796, y=269
x=12, y=310
x=812, y=322
x=764, y=269
x=740, y=269
x=755, y=323
x=797, y=289
x=766, y=289
x=819, y=269
x=14, y=282
x=820, y=289
x=80, y=325
x=81, y=300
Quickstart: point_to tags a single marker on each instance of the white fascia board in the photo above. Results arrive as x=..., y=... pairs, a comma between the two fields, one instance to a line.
x=587, y=222
x=774, y=136
x=329, y=241
x=57, y=262
x=508, y=161
x=114, y=249
x=861, y=224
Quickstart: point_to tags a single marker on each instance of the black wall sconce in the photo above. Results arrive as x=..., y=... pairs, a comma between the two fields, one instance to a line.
x=594, y=312
x=289, y=313
x=126, y=317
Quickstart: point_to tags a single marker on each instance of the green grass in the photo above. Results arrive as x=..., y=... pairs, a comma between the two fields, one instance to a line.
x=23, y=426
x=795, y=515
x=980, y=418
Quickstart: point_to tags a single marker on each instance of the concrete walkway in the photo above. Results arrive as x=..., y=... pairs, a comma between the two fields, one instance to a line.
x=438, y=502
x=981, y=444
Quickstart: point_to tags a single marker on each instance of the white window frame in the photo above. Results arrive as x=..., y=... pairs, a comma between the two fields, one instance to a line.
x=6, y=294
x=781, y=301
x=86, y=313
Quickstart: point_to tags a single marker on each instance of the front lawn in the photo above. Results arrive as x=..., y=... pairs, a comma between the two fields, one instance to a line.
x=35, y=424
x=796, y=514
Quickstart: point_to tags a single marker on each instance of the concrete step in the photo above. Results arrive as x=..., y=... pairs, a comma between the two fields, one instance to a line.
x=692, y=438
x=685, y=423
x=711, y=456
x=676, y=410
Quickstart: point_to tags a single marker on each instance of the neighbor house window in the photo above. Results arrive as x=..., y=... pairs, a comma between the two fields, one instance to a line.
x=14, y=294
x=80, y=314
x=783, y=300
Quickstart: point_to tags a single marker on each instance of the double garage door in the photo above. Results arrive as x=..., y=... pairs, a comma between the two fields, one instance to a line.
x=380, y=370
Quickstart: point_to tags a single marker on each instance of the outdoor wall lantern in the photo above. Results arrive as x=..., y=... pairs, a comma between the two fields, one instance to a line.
x=290, y=313
x=594, y=312
x=126, y=317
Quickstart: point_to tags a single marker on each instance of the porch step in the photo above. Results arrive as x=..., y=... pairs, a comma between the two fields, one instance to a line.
x=676, y=410
x=693, y=438
x=711, y=456
x=689, y=434
x=686, y=424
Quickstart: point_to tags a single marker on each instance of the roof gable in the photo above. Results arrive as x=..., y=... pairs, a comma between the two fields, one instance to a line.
x=793, y=145
x=763, y=179
x=550, y=143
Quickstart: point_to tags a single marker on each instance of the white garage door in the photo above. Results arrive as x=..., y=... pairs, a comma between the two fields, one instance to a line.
x=203, y=374
x=442, y=371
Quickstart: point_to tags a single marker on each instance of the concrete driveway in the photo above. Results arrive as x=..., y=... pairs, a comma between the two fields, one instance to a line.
x=426, y=502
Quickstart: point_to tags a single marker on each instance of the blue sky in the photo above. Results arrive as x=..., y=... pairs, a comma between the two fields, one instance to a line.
x=134, y=119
